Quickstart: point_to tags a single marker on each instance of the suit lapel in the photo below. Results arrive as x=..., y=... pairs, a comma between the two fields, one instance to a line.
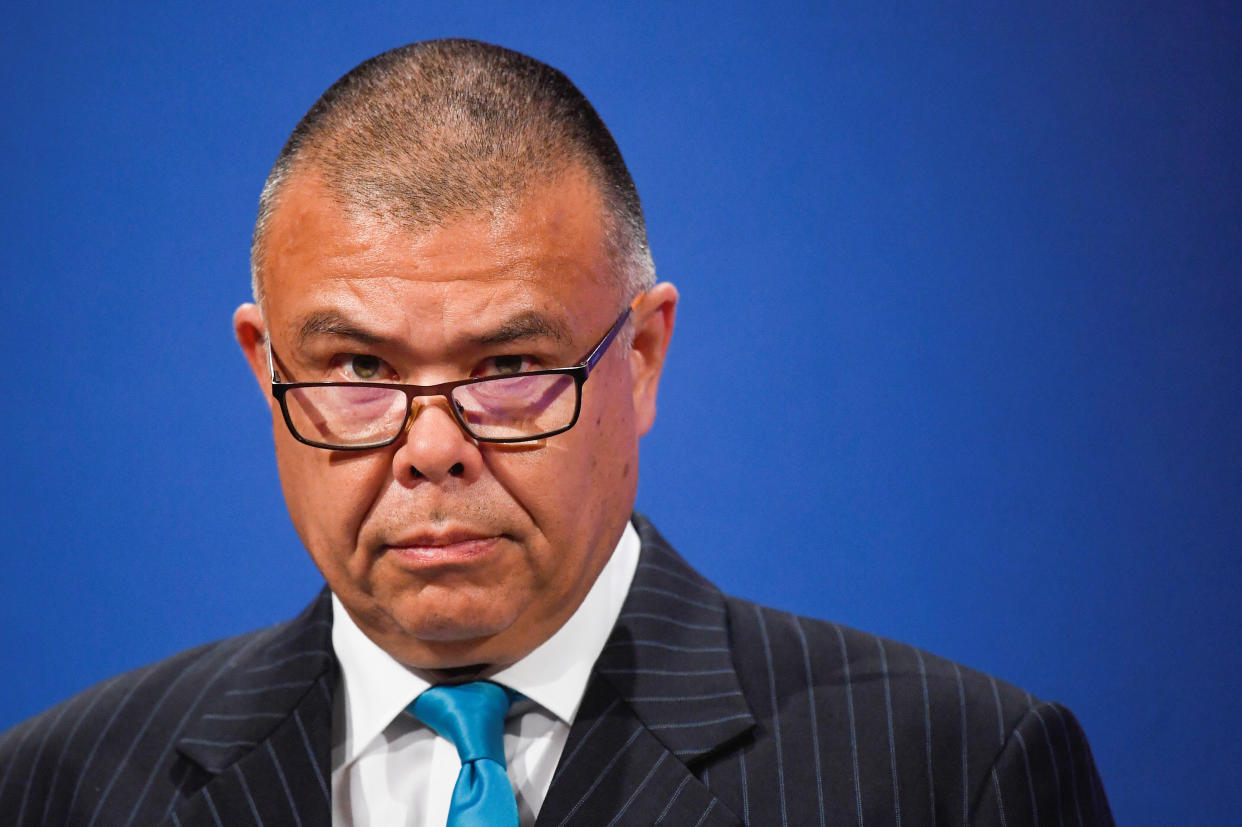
x=262, y=746
x=664, y=696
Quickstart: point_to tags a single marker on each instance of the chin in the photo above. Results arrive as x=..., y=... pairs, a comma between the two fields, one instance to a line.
x=467, y=627
x=440, y=628
x=453, y=650
x=456, y=633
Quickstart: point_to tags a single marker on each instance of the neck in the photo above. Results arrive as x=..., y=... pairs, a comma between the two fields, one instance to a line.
x=457, y=674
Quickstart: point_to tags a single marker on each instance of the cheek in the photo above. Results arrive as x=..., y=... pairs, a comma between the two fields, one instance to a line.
x=579, y=488
x=327, y=497
x=614, y=454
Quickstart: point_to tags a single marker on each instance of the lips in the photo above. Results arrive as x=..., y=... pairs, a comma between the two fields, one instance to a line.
x=444, y=548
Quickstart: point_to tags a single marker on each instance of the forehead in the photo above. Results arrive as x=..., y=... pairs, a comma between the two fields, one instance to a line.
x=547, y=253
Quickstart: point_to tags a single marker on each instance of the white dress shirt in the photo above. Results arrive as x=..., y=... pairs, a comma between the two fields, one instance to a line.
x=388, y=768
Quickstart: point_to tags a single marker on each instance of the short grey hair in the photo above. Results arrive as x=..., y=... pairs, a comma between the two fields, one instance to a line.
x=435, y=130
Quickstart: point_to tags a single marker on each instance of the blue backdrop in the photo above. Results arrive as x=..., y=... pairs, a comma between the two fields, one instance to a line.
x=958, y=359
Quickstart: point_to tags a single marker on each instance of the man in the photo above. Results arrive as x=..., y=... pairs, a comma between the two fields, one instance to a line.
x=457, y=321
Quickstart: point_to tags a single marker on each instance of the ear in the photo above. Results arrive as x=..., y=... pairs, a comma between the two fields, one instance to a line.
x=251, y=334
x=653, y=320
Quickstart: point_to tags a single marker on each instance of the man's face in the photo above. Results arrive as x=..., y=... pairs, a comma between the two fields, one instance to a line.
x=445, y=551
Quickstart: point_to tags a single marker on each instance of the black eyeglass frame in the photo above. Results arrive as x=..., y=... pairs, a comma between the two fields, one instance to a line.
x=579, y=373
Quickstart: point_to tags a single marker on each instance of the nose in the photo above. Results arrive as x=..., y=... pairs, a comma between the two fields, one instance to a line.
x=435, y=447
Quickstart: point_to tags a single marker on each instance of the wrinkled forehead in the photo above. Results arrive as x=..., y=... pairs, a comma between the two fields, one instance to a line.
x=545, y=254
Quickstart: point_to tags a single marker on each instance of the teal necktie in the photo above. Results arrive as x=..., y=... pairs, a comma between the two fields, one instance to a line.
x=472, y=716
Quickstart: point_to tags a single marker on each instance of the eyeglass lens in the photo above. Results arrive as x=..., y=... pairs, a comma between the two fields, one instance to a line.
x=521, y=406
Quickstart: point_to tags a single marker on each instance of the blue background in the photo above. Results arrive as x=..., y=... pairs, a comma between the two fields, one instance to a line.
x=958, y=359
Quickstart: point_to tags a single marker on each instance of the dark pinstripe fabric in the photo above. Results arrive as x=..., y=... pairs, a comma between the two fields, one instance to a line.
x=235, y=732
x=711, y=710
x=703, y=710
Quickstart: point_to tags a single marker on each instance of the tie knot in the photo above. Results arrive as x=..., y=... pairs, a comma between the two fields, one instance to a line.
x=471, y=715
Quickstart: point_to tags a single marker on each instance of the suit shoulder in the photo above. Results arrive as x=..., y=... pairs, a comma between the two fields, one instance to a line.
x=141, y=684
x=920, y=732
x=90, y=727
x=890, y=689
x=833, y=652
x=864, y=727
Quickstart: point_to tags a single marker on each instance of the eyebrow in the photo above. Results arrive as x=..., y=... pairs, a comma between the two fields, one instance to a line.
x=333, y=323
x=530, y=324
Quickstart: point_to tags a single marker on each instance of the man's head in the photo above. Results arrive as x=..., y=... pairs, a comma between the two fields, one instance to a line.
x=443, y=128
x=453, y=210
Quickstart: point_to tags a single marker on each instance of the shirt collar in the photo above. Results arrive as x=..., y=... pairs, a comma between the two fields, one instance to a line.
x=377, y=688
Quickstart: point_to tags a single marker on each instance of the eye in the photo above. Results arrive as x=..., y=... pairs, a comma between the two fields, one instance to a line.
x=362, y=366
x=506, y=365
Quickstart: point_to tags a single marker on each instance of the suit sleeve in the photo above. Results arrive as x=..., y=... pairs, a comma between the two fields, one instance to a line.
x=1044, y=775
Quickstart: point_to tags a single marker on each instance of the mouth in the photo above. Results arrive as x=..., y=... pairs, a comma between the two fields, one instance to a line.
x=453, y=548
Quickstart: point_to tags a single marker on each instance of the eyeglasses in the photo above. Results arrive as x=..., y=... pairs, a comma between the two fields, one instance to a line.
x=359, y=416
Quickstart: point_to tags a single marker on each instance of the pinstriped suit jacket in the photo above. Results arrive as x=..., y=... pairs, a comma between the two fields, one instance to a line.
x=702, y=710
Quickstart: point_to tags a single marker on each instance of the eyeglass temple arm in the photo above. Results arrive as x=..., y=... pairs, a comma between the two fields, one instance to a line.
x=602, y=347
x=271, y=365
